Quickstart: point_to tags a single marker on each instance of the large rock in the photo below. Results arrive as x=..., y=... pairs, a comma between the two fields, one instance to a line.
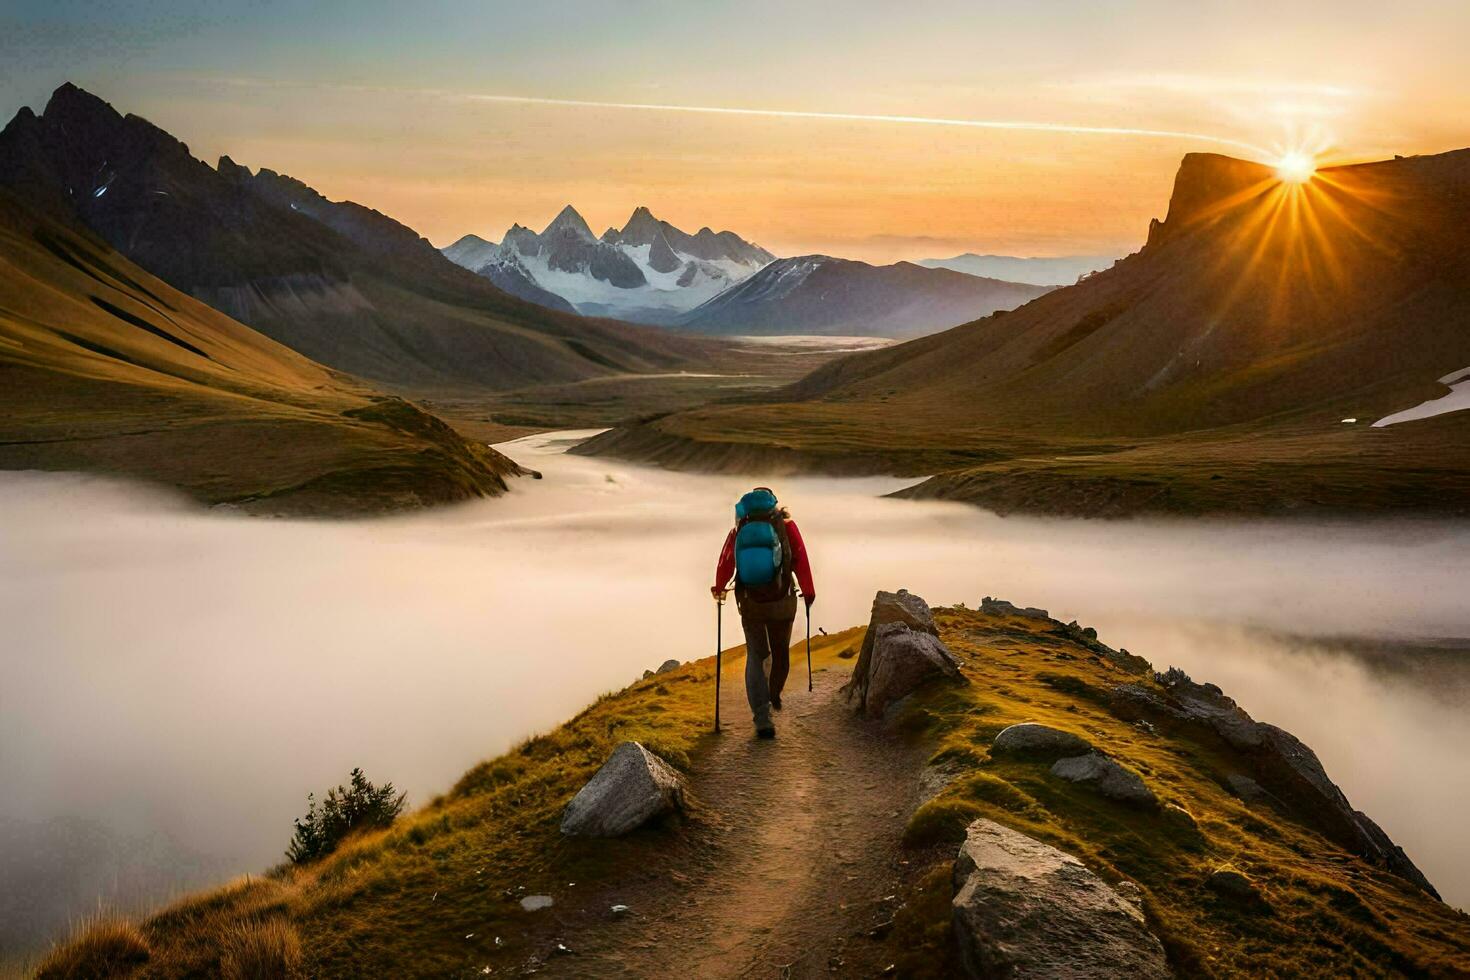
x=632, y=787
x=1282, y=765
x=1106, y=777
x=894, y=607
x=1030, y=740
x=903, y=660
x=902, y=608
x=1025, y=909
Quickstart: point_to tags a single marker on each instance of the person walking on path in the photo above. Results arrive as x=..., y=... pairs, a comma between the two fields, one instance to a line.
x=766, y=557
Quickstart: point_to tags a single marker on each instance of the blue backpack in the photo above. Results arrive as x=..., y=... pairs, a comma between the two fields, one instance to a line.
x=762, y=548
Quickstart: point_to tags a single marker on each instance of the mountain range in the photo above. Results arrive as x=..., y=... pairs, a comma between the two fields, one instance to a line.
x=1062, y=270
x=718, y=283
x=343, y=284
x=819, y=294
x=648, y=272
x=1235, y=363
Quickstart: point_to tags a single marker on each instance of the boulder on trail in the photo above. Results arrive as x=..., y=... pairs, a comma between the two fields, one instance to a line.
x=1025, y=909
x=999, y=607
x=1105, y=777
x=667, y=666
x=1030, y=740
x=903, y=660
x=893, y=607
x=911, y=661
x=632, y=787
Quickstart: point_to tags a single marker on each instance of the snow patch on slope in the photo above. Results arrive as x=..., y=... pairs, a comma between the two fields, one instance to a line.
x=1457, y=400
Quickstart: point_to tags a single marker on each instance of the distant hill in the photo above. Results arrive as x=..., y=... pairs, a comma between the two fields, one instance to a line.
x=1062, y=270
x=341, y=283
x=1211, y=371
x=649, y=271
x=819, y=294
x=106, y=369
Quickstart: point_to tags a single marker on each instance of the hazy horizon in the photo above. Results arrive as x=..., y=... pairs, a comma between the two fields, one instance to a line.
x=878, y=135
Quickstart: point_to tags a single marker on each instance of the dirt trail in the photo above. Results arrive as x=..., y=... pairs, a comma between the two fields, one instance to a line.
x=790, y=860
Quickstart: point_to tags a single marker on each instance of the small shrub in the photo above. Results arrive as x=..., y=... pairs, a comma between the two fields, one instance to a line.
x=940, y=821
x=261, y=950
x=343, y=811
x=99, y=948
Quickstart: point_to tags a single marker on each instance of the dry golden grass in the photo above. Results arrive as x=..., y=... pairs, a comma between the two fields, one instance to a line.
x=99, y=948
x=1328, y=912
x=261, y=950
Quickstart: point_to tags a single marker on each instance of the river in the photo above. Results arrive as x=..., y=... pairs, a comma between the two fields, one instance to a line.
x=173, y=682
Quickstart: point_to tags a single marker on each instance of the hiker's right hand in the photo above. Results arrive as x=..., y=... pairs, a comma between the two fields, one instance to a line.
x=718, y=593
x=809, y=599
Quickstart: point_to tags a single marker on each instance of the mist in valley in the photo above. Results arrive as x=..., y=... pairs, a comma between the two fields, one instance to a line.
x=174, y=682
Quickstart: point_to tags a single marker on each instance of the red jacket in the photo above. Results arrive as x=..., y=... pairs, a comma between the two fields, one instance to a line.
x=725, y=568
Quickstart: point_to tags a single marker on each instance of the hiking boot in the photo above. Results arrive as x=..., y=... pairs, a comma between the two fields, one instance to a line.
x=776, y=701
x=767, y=732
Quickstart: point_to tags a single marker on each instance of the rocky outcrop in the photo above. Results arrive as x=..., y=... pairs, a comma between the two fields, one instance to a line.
x=1030, y=740
x=1000, y=607
x=1237, y=889
x=1107, y=778
x=903, y=661
x=892, y=607
x=1025, y=909
x=631, y=788
x=901, y=652
x=1284, y=770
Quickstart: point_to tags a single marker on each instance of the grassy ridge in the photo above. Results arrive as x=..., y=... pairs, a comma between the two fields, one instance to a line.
x=105, y=369
x=430, y=895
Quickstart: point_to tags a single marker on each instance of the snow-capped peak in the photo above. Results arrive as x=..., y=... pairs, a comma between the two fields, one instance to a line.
x=569, y=222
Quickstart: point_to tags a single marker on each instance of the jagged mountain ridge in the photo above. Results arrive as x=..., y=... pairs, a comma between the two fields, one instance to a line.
x=341, y=283
x=819, y=294
x=649, y=271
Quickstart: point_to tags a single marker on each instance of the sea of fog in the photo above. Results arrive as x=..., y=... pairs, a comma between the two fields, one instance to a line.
x=173, y=682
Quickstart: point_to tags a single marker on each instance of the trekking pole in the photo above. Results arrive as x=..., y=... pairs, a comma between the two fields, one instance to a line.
x=808, y=646
x=719, y=608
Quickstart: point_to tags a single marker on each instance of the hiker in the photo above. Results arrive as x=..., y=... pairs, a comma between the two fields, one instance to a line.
x=766, y=557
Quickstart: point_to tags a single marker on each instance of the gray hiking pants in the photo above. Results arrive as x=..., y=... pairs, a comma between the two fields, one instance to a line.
x=765, y=638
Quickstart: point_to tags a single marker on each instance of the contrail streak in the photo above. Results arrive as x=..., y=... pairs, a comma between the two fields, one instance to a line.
x=1016, y=125
x=1003, y=124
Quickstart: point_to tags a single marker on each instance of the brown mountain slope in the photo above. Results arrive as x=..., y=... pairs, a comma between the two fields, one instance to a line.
x=343, y=284
x=1258, y=316
x=104, y=368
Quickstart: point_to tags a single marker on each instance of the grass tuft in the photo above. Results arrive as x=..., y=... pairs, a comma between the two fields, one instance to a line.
x=261, y=950
x=99, y=948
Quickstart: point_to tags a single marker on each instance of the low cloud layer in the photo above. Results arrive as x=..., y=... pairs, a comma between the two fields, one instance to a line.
x=173, y=683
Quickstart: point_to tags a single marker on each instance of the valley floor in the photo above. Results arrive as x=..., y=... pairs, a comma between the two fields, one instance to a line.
x=1320, y=467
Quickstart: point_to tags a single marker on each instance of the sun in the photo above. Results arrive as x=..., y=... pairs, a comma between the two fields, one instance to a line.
x=1296, y=167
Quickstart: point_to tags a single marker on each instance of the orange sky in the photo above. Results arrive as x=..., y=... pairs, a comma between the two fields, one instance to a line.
x=378, y=103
